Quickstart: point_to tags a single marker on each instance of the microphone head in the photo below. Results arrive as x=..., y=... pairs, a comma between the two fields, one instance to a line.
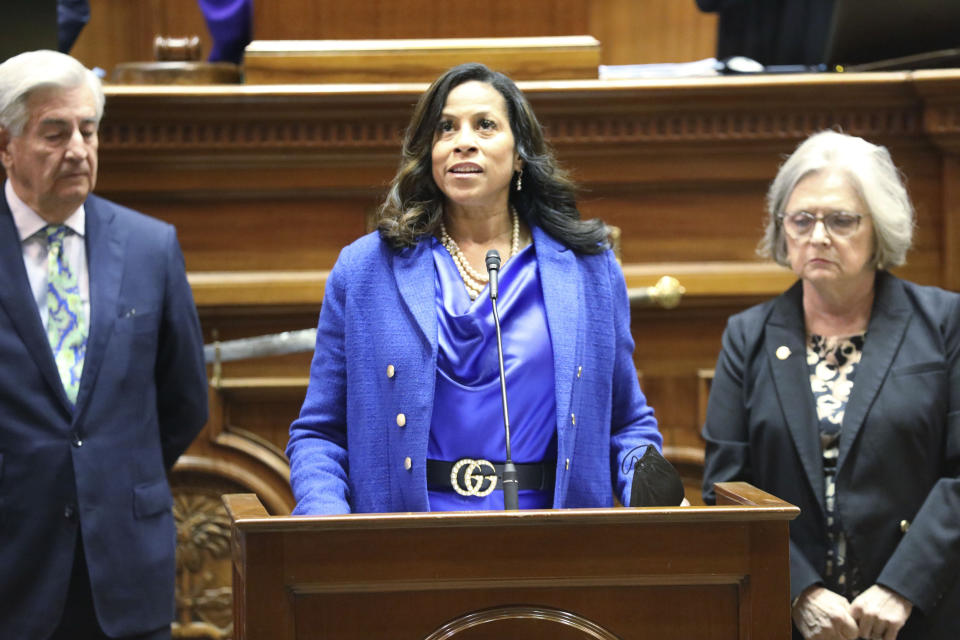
x=493, y=260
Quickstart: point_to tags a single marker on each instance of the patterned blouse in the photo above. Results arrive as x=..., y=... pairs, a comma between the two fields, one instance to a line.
x=832, y=362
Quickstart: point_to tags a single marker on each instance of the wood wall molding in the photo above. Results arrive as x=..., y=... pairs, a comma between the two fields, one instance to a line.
x=940, y=92
x=704, y=283
x=338, y=119
x=734, y=126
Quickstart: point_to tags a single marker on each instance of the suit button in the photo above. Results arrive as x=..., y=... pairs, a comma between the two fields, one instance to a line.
x=573, y=419
x=390, y=370
x=401, y=420
x=70, y=512
x=566, y=465
x=904, y=526
x=77, y=442
x=579, y=371
x=407, y=463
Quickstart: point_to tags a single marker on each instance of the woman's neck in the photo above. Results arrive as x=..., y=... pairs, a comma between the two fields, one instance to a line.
x=478, y=227
x=838, y=311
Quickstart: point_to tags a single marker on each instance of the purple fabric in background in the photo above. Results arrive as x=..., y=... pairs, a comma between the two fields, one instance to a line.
x=231, y=26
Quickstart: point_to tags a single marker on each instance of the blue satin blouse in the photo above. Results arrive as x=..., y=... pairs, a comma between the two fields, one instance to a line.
x=467, y=416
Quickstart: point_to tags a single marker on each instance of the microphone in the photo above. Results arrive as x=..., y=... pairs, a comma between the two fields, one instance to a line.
x=511, y=485
x=493, y=270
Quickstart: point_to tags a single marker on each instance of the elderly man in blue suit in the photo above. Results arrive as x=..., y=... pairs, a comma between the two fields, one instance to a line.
x=102, y=381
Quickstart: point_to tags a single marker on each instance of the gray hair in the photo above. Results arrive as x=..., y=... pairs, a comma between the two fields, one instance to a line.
x=23, y=74
x=871, y=172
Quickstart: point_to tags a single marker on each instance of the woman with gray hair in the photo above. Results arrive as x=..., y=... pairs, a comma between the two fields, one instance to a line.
x=842, y=396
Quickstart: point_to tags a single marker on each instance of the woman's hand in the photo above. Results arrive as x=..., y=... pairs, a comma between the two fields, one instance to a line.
x=821, y=614
x=880, y=612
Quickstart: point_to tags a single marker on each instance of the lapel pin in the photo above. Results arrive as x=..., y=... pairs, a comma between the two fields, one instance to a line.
x=783, y=352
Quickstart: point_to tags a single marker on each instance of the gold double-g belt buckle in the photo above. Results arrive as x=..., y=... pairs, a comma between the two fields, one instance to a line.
x=473, y=477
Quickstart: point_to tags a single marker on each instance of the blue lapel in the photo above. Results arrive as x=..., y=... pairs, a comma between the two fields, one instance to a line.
x=560, y=280
x=17, y=299
x=414, y=271
x=888, y=323
x=105, y=243
x=792, y=381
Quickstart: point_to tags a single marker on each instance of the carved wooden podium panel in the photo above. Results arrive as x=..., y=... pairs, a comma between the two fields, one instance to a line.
x=695, y=572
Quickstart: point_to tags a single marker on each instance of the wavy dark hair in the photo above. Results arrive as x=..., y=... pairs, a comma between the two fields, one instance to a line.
x=414, y=204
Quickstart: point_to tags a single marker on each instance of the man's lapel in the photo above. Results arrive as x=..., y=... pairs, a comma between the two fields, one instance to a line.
x=888, y=323
x=105, y=251
x=17, y=300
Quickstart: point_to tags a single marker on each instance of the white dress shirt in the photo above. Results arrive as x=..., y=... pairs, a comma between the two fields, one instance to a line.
x=30, y=227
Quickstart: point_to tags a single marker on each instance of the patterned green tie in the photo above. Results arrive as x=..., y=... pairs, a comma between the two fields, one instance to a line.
x=65, y=328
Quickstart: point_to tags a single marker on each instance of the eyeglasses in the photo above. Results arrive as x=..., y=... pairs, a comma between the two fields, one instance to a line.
x=839, y=224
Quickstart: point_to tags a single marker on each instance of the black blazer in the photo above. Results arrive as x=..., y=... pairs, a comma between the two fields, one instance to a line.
x=100, y=468
x=899, y=459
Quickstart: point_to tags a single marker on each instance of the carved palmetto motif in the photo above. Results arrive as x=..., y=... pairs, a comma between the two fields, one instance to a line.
x=203, y=590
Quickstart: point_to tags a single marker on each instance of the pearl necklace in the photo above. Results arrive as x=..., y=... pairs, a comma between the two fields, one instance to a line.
x=472, y=279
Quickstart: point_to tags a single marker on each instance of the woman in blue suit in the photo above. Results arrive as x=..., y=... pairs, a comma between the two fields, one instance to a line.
x=842, y=396
x=403, y=411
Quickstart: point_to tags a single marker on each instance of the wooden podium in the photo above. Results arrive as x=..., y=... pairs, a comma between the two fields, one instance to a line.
x=683, y=572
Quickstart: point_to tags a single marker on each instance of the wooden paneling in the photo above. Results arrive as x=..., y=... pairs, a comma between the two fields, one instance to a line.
x=630, y=31
x=417, y=60
x=649, y=31
x=680, y=167
x=943, y=118
x=312, y=20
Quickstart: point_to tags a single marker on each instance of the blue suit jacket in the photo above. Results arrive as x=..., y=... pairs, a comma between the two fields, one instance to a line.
x=347, y=452
x=899, y=457
x=101, y=467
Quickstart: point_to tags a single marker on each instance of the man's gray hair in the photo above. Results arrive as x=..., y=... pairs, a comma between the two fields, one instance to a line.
x=872, y=174
x=27, y=72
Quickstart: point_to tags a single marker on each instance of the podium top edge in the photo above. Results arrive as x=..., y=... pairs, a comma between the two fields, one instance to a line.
x=539, y=517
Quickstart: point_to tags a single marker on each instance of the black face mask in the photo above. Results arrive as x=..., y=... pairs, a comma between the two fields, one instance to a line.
x=655, y=482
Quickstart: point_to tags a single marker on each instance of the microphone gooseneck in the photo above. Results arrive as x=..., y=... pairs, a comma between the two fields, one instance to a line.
x=511, y=485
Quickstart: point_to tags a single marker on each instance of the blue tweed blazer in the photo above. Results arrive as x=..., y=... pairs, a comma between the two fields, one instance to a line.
x=348, y=453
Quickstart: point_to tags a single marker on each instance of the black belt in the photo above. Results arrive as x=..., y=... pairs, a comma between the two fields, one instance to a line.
x=470, y=477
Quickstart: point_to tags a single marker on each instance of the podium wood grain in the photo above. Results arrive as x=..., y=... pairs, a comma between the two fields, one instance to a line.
x=704, y=572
